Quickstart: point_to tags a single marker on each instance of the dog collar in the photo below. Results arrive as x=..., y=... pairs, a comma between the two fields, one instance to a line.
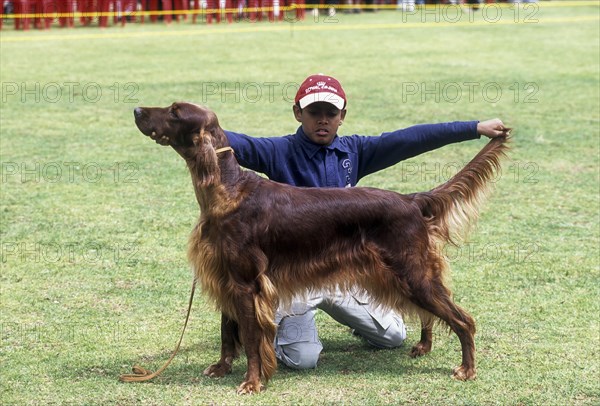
x=224, y=149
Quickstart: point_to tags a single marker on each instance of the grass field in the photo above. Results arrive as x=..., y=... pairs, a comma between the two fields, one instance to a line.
x=95, y=217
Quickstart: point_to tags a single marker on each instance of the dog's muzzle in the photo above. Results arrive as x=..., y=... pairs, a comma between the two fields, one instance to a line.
x=140, y=116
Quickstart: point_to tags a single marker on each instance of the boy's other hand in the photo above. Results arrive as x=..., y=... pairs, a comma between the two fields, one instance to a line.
x=493, y=128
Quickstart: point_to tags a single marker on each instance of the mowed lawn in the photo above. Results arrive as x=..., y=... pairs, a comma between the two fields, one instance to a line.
x=95, y=217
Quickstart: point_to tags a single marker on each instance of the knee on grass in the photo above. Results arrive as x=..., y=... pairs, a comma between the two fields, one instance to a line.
x=300, y=355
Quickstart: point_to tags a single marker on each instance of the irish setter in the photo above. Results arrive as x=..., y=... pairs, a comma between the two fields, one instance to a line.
x=258, y=243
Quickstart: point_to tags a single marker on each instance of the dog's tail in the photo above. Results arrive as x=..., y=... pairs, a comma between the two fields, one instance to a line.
x=453, y=206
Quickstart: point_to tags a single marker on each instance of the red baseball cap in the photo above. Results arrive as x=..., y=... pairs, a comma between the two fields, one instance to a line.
x=321, y=88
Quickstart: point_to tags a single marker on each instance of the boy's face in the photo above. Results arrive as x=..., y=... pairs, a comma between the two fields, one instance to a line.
x=320, y=121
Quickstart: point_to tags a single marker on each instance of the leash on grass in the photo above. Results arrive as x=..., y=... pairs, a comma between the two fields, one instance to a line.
x=141, y=374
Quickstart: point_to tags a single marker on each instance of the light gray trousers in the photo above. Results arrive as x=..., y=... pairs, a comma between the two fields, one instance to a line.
x=297, y=342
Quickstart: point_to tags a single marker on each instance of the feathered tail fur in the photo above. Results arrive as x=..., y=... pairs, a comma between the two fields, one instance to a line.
x=453, y=206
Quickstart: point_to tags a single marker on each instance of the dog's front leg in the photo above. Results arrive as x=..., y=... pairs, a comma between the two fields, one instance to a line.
x=229, y=349
x=423, y=346
x=251, y=335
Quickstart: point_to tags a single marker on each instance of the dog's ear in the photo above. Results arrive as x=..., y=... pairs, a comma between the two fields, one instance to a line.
x=218, y=137
x=207, y=166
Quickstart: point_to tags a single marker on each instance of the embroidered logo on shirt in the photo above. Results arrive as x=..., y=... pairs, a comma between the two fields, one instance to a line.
x=347, y=165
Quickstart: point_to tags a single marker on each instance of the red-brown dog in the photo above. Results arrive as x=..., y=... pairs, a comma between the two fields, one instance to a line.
x=259, y=242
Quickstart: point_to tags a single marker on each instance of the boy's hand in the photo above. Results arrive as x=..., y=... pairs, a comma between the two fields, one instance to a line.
x=492, y=128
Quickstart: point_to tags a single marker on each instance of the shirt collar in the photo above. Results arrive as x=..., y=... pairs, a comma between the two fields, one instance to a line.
x=311, y=148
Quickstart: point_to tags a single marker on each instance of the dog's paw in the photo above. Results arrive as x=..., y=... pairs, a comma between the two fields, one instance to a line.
x=420, y=349
x=462, y=373
x=217, y=370
x=248, y=388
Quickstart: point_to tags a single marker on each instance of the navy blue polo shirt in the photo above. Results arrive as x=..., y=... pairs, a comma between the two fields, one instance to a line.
x=295, y=160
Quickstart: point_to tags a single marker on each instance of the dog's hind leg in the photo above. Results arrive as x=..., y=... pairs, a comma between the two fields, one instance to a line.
x=435, y=298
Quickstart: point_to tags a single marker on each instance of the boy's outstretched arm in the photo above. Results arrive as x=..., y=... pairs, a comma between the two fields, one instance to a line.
x=492, y=128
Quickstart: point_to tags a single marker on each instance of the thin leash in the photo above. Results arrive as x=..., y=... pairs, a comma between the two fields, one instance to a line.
x=141, y=374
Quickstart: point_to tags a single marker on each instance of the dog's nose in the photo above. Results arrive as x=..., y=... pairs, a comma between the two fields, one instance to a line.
x=137, y=112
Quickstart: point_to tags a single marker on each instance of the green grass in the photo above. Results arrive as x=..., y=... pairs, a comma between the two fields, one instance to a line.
x=95, y=217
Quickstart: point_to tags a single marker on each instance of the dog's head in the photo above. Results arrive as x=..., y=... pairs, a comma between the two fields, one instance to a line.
x=180, y=125
x=193, y=131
